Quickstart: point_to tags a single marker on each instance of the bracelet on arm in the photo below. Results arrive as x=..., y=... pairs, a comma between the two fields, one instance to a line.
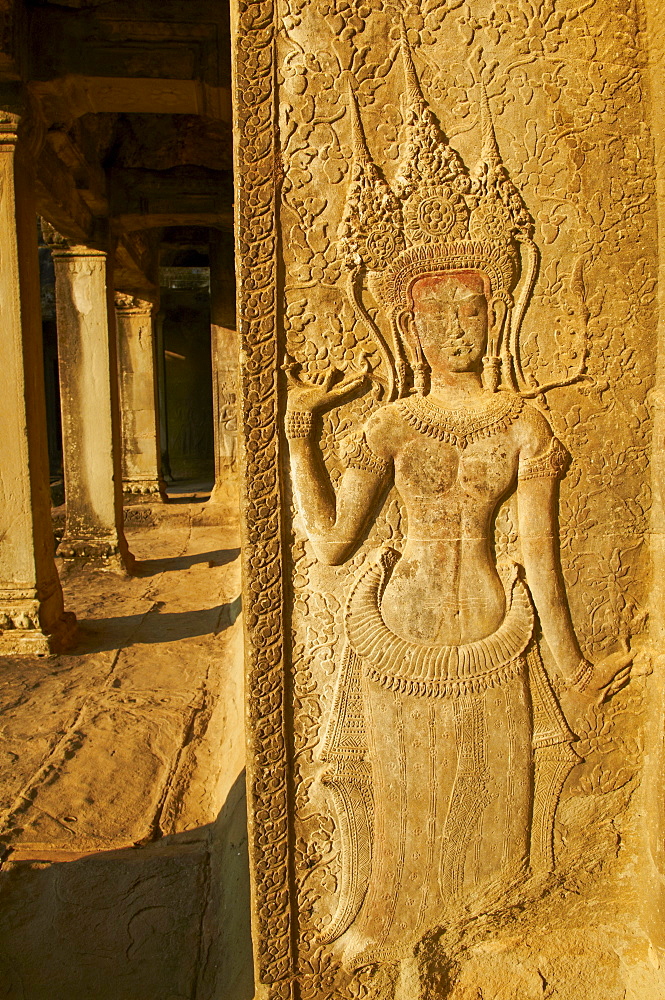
x=582, y=675
x=550, y=465
x=359, y=455
x=298, y=424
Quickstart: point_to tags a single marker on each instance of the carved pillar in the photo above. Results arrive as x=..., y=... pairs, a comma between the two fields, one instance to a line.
x=90, y=409
x=653, y=804
x=407, y=772
x=32, y=617
x=165, y=462
x=141, y=459
x=225, y=363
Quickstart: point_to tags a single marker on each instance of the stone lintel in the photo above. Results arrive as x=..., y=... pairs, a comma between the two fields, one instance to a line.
x=183, y=195
x=87, y=63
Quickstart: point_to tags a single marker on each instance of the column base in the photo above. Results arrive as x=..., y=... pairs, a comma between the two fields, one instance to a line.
x=21, y=633
x=143, y=491
x=98, y=553
x=226, y=488
x=223, y=507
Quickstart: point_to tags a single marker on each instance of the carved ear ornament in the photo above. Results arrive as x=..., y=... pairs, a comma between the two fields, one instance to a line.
x=437, y=217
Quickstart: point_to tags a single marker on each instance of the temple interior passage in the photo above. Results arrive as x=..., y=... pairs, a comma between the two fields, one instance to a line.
x=185, y=315
x=122, y=798
x=123, y=833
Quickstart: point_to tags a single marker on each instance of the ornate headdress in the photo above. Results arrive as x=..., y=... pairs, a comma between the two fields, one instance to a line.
x=439, y=217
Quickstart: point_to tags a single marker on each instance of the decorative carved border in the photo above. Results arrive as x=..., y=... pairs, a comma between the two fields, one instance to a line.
x=256, y=247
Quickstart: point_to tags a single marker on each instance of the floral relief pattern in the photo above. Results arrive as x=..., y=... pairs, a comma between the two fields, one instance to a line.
x=565, y=80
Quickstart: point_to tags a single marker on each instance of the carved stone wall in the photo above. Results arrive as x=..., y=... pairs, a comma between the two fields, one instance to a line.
x=568, y=87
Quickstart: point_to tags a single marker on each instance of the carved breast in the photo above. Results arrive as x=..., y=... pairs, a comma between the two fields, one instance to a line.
x=486, y=469
x=428, y=469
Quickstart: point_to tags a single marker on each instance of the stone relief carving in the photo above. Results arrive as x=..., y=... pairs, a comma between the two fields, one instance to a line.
x=564, y=85
x=228, y=429
x=263, y=619
x=445, y=748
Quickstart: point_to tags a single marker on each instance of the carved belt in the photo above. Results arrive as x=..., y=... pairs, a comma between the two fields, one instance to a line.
x=436, y=671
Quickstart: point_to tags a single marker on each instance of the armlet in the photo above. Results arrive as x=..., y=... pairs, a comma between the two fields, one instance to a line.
x=550, y=465
x=359, y=455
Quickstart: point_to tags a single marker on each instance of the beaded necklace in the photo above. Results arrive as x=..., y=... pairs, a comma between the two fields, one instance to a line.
x=461, y=427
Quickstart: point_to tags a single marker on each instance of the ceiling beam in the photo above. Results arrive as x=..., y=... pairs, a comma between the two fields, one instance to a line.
x=182, y=196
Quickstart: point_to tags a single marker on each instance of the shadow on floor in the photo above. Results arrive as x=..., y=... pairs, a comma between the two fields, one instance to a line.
x=98, y=635
x=188, y=498
x=150, y=567
x=166, y=921
x=189, y=491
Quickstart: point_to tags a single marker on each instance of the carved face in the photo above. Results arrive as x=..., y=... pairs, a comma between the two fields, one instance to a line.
x=450, y=316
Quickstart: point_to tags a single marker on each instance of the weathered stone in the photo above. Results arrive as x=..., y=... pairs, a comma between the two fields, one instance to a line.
x=90, y=410
x=451, y=445
x=181, y=196
x=32, y=616
x=225, y=369
x=161, y=141
x=141, y=453
x=136, y=739
x=108, y=60
x=450, y=671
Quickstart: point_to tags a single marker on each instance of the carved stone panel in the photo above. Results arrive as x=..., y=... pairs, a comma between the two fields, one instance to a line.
x=449, y=337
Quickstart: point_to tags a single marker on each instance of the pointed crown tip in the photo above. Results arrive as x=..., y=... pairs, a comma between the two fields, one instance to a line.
x=490, y=148
x=414, y=94
x=359, y=141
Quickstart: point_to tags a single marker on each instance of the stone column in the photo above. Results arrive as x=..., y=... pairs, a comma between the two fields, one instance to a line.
x=161, y=398
x=90, y=408
x=32, y=616
x=225, y=367
x=141, y=457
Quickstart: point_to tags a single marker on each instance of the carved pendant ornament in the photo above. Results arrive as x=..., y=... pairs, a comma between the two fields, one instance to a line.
x=460, y=427
x=434, y=744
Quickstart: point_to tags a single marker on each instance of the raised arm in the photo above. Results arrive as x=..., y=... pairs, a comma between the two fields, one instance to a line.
x=542, y=463
x=335, y=521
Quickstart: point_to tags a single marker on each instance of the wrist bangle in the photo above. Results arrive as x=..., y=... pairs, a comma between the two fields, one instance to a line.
x=583, y=675
x=298, y=424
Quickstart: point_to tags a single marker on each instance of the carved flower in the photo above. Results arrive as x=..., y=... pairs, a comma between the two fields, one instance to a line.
x=442, y=213
x=551, y=220
x=491, y=219
x=389, y=130
x=380, y=247
x=436, y=217
x=298, y=316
